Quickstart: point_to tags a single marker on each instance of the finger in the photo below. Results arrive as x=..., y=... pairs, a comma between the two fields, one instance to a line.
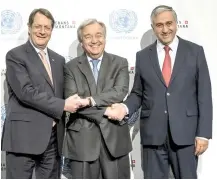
x=114, y=105
x=202, y=149
x=197, y=150
x=111, y=117
x=75, y=96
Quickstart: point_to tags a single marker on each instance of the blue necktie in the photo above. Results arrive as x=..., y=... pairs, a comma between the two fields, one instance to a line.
x=95, y=70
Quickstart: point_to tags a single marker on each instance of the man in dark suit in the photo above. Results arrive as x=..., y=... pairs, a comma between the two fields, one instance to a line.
x=97, y=147
x=172, y=85
x=33, y=131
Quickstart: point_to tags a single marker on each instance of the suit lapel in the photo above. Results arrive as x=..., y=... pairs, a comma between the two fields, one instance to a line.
x=155, y=62
x=35, y=59
x=103, y=71
x=85, y=68
x=180, y=58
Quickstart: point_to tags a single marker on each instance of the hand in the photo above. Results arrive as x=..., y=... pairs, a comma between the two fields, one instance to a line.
x=116, y=112
x=84, y=102
x=201, y=146
x=120, y=110
x=72, y=103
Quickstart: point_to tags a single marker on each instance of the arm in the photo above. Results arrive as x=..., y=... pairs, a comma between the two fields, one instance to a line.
x=135, y=116
x=70, y=88
x=20, y=82
x=204, y=128
x=134, y=100
x=118, y=92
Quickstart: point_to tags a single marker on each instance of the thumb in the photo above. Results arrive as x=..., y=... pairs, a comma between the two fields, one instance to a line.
x=114, y=105
x=75, y=96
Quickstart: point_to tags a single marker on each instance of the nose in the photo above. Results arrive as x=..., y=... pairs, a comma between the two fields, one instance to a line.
x=94, y=39
x=42, y=30
x=165, y=29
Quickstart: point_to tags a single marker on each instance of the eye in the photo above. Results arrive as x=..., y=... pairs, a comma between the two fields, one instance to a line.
x=98, y=36
x=159, y=25
x=47, y=28
x=87, y=37
x=37, y=27
x=169, y=23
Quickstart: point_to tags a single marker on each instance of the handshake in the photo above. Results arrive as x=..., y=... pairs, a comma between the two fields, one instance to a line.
x=73, y=103
x=114, y=112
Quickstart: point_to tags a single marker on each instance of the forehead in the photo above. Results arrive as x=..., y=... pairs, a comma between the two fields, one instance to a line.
x=41, y=19
x=93, y=29
x=164, y=17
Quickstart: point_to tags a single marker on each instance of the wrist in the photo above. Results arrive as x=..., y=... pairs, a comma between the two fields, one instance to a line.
x=89, y=103
x=107, y=111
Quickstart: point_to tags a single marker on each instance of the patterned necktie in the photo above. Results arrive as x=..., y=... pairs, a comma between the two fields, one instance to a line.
x=46, y=65
x=166, y=70
x=95, y=70
x=48, y=69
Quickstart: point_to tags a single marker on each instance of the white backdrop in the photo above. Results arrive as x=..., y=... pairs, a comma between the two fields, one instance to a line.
x=197, y=23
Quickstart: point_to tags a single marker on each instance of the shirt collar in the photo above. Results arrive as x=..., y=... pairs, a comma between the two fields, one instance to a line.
x=89, y=58
x=173, y=46
x=36, y=49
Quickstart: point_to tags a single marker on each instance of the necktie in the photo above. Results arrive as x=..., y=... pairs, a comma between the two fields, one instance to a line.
x=48, y=69
x=46, y=65
x=166, y=70
x=95, y=70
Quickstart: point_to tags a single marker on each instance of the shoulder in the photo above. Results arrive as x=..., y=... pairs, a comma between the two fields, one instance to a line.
x=17, y=50
x=74, y=61
x=56, y=55
x=189, y=44
x=116, y=58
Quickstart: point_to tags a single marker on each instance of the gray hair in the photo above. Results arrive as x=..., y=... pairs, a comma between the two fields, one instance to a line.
x=160, y=9
x=86, y=23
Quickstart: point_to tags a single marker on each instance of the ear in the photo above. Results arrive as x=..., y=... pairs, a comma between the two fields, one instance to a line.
x=152, y=26
x=29, y=28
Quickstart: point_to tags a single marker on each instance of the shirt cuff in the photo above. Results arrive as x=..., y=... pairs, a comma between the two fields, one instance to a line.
x=93, y=103
x=126, y=108
x=202, y=138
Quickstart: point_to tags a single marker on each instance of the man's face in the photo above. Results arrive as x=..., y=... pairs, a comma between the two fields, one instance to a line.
x=40, y=31
x=93, y=40
x=165, y=27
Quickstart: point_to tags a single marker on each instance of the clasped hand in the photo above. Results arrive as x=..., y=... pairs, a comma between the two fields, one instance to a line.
x=73, y=103
x=116, y=112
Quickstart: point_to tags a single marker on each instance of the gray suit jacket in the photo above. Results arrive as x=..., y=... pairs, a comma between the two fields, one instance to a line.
x=186, y=103
x=33, y=101
x=86, y=128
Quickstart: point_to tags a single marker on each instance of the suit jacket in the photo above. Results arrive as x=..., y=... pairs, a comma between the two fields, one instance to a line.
x=33, y=101
x=186, y=105
x=86, y=128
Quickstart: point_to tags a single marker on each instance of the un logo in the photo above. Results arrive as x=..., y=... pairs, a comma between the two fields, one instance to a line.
x=123, y=20
x=3, y=115
x=11, y=22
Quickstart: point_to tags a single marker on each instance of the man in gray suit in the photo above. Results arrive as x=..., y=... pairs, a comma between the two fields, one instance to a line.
x=97, y=147
x=172, y=85
x=34, y=129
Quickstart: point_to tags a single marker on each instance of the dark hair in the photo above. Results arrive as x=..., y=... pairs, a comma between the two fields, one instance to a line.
x=45, y=12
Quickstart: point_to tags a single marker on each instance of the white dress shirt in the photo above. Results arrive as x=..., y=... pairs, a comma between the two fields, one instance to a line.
x=91, y=64
x=45, y=50
x=161, y=52
x=98, y=67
